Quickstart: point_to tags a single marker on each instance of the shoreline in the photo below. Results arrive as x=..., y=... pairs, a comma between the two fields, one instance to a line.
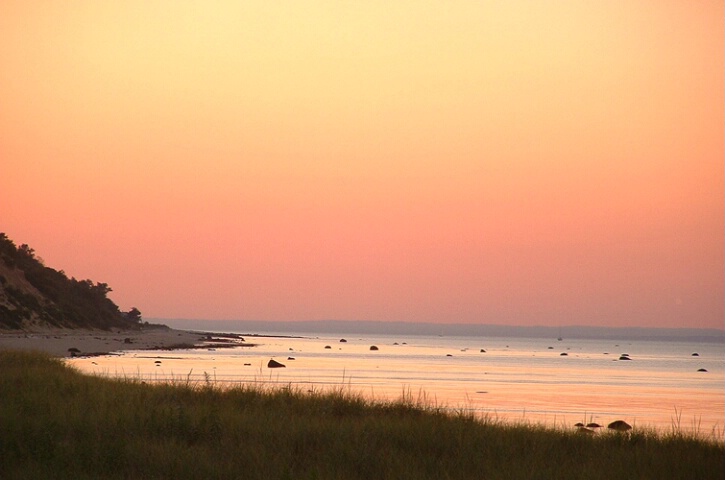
x=67, y=343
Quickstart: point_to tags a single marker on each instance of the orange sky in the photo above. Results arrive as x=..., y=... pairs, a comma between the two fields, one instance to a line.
x=531, y=163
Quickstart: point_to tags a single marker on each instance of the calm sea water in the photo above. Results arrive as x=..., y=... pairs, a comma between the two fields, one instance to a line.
x=513, y=379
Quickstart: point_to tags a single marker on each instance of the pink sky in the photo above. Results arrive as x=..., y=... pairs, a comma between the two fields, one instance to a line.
x=529, y=163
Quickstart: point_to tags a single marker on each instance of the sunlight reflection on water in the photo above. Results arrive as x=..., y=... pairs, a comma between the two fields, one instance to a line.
x=514, y=379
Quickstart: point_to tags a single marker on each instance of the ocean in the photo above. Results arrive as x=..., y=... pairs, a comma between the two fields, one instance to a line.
x=664, y=385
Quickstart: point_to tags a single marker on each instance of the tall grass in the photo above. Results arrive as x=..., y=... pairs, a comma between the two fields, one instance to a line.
x=58, y=423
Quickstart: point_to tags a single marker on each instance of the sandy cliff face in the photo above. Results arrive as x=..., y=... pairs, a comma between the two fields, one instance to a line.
x=21, y=304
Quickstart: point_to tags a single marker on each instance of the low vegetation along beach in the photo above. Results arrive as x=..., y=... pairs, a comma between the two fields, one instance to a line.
x=56, y=422
x=59, y=423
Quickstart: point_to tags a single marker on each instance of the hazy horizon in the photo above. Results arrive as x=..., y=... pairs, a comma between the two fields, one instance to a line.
x=532, y=163
x=418, y=328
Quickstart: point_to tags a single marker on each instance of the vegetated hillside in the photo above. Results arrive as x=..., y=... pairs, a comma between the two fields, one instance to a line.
x=35, y=296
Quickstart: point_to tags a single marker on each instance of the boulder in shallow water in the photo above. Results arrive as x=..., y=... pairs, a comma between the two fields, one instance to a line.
x=275, y=364
x=702, y=369
x=620, y=426
x=623, y=357
x=373, y=347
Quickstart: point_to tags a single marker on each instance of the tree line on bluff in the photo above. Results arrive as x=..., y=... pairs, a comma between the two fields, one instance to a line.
x=54, y=299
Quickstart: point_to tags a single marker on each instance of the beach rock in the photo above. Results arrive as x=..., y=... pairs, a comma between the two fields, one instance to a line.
x=563, y=354
x=373, y=347
x=327, y=347
x=274, y=364
x=695, y=354
x=702, y=370
x=342, y=340
x=620, y=426
x=578, y=424
x=624, y=357
x=593, y=425
x=290, y=358
x=483, y=351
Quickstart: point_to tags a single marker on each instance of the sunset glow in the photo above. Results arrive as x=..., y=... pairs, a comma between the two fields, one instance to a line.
x=524, y=163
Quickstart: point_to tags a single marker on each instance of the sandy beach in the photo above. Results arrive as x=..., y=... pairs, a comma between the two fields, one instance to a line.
x=60, y=342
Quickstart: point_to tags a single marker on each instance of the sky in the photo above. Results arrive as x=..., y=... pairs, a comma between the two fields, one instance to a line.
x=485, y=162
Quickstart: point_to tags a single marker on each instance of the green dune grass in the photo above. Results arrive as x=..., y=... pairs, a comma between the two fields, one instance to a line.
x=58, y=423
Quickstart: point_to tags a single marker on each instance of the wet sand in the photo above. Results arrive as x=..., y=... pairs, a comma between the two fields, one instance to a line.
x=61, y=342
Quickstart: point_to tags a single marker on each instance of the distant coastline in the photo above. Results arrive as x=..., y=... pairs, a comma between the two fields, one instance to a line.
x=484, y=330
